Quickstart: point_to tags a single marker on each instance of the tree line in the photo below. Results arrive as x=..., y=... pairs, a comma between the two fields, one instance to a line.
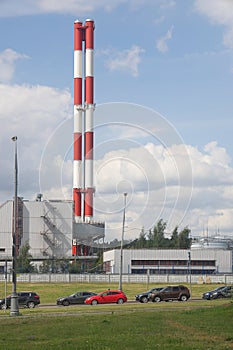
x=156, y=238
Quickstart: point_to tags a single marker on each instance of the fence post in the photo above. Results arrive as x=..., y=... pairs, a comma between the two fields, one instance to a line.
x=148, y=278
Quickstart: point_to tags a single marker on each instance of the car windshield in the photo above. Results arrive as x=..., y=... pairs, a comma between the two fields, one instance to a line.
x=152, y=290
x=219, y=288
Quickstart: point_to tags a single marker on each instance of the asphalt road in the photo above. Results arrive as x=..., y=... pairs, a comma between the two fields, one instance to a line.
x=128, y=302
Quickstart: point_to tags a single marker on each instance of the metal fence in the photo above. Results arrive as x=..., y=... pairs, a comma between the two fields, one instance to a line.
x=114, y=278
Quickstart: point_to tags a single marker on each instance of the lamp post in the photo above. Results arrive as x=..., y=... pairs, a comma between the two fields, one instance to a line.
x=122, y=240
x=190, y=274
x=14, y=297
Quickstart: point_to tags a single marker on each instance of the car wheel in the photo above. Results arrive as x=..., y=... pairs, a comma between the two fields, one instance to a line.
x=144, y=300
x=3, y=307
x=157, y=299
x=94, y=302
x=120, y=301
x=183, y=297
x=65, y=303
x=31, y=304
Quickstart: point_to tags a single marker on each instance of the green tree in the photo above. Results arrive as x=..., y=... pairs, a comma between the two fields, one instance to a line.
x=141, y=242
x=184, y=240
x=74, y=268
x=150, y=239
x=44, y=267
x=158, y=234
x=54, y=265
x=24, y=260
x=175, y=238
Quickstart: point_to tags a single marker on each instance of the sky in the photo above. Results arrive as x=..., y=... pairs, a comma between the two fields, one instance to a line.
x=163, y=73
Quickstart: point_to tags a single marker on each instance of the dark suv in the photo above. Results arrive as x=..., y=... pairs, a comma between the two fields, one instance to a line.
x=25, y=299
x=145, y=296
x=180, y=293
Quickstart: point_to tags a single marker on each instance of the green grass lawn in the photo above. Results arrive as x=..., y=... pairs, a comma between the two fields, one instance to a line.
x=122, y=327
x=202, y=325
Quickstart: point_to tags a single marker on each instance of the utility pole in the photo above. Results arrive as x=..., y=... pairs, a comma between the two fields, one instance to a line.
x=14, y=297
x=122, y=240
x=190, y=274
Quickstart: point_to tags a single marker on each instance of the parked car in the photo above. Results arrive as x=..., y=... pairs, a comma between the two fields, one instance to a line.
x=25, y=299
x=109, y=296
x=144, y=296
x=220, y=292
x=180, y=293
x=227, y=292
x=76, y=298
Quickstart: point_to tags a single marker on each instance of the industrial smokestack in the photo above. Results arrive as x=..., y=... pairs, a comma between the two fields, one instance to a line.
x=83, y=175
x=77, y=164
x=89, y=109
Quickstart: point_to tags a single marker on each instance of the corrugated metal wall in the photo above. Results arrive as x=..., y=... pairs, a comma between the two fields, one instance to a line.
x=6, y=226
x=223, y=258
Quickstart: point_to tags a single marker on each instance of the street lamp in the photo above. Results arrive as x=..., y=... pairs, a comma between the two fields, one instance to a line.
x=190, y=274
x=14, y=297
x=122, y=240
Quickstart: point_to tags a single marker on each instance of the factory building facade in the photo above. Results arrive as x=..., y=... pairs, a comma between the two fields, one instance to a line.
x=49, y=229
x=169, y=261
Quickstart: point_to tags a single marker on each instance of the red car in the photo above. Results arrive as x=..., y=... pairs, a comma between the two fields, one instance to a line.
x=109, y=296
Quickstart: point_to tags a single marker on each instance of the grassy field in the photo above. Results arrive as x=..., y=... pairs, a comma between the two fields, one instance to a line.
x=49, y=292
x=196, y=325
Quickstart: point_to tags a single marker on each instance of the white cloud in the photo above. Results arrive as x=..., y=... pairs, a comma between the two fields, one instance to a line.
x=159, y=20
x=126, y=60
x=32, y=113
x=217, y=154
x=161, y=43
x=157, y=181
x=219, y=12
x=80, y=7
x=166, y=4
x=27, y=7
x=7, y=64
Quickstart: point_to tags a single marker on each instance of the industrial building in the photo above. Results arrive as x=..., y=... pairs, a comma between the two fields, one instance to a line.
x=50, y=230
x=200, y=259
x=62, y=229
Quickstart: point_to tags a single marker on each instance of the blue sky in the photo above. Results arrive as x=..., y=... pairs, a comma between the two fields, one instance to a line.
x=163, y=89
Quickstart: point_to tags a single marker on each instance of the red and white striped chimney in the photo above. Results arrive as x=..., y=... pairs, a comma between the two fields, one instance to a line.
x=77, y=165
x=89, y=109
x=83, y=176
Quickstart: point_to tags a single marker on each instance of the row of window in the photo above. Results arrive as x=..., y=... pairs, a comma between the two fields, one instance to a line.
x=173, y=272
x=172, y=262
